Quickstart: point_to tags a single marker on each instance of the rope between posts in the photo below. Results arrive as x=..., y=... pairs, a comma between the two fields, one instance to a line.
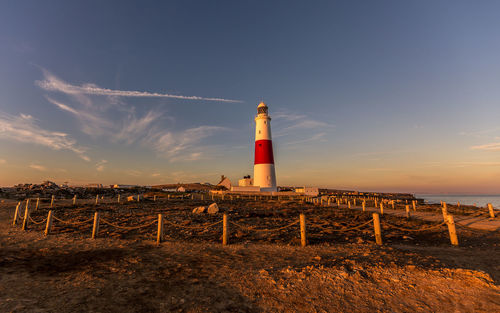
x=263, y=230
x=127, y=227
x=73, y=222
x=413, y=230
x=35, y=222
x=348, y=229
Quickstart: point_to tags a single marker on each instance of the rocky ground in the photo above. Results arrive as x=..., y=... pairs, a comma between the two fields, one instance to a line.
x=260, y=271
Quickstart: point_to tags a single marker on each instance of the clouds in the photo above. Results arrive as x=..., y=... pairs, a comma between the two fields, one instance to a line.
x=112, y=119
x=184, y=145
x=100, y=165
x=495, y=146
x=38, y=167
x=52, y=83
x=24, y=128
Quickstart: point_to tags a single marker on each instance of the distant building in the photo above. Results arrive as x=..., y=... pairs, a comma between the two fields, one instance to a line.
x=93, y=186
x=308, y=191
x=118, y=186
x=225, y=182
x=246, y=181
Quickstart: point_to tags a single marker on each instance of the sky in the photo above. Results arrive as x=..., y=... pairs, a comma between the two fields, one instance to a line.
x=399, y=96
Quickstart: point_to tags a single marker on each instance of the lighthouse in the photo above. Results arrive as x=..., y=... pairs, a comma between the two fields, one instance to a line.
x=263, y=170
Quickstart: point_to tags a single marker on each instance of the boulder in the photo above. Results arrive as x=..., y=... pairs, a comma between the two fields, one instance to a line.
x=199, y=210
x=213, y=208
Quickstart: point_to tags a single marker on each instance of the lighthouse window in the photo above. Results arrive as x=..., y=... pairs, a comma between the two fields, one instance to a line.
x=259, y=131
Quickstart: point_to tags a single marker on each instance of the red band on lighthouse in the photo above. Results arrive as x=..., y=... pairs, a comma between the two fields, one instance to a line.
x=264, y=152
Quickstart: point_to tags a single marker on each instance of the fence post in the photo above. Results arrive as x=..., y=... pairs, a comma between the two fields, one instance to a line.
x=26, y=216
x=74, y=200
x=52, y=202
x=452, y=230
x=95, y=229
x=445, y=211
x=224, y=230
x=354, y=201
x=381, y=208
x=349, y=204
x=376, y=203
x=458, y=203
x=16, y=214
x=159, y=237
x=407, y=211
x=364, y=205
x=37, y=203
x=303, y=240
x=49, y=223
x=376, y=227
x=154, y=198
x=96, y=199
x=490, y=208
x=414, y=203
x=392, y=204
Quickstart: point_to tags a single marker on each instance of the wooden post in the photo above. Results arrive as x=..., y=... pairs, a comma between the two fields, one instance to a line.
x=224, y=230
x=52, y=202
x=392, y=203
x=349, y=204
x=407, y=211
x=159, y=237
x=445, y=211
x=95, y=229
x=458, y=203
x=16, y=214
x=118, y=198
x=96, y=199
x=26, y=217
x=452, y=230
x=381, y=208
x=154, y=198
x=364, y=205
x=303, y=240
x=490, y=208
x=376, y=204
x=49, y=223
x=138, y=198
x=414, y=203
x=354, y=201
x=37, y=203
x=376, y=227
x=74, y=200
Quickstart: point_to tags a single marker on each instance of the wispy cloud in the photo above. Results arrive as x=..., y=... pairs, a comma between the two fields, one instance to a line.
x=52, y=83
x=38, y=167
x=495, y=146
x=23, y=128
x=184, y=145
x=100, y=165
x=290, y=122
x=92, y=123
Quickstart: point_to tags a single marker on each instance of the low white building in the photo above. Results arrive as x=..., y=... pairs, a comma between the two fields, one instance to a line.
x=308, y=191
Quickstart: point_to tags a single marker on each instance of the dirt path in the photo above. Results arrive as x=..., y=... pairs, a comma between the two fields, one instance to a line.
x=478, y=222
x=62, y=273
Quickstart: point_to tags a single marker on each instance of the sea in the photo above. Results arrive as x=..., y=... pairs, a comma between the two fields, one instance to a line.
x=479, y=200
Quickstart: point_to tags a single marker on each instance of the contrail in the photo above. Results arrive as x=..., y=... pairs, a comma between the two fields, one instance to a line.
x=52, y=83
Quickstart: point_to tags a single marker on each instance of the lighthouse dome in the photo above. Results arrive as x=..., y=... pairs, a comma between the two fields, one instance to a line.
x=262, y=108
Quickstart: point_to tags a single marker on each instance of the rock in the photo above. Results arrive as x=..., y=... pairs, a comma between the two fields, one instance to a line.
x=213, y=208
x=199, y=210
x=131, y=198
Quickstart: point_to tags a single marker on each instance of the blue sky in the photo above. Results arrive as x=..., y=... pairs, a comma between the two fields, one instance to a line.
x=370, y=95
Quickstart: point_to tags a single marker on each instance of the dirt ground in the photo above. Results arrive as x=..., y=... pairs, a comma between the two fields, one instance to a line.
x=258, y=272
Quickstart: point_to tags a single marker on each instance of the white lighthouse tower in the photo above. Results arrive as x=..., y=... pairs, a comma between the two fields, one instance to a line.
x=263, y=170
